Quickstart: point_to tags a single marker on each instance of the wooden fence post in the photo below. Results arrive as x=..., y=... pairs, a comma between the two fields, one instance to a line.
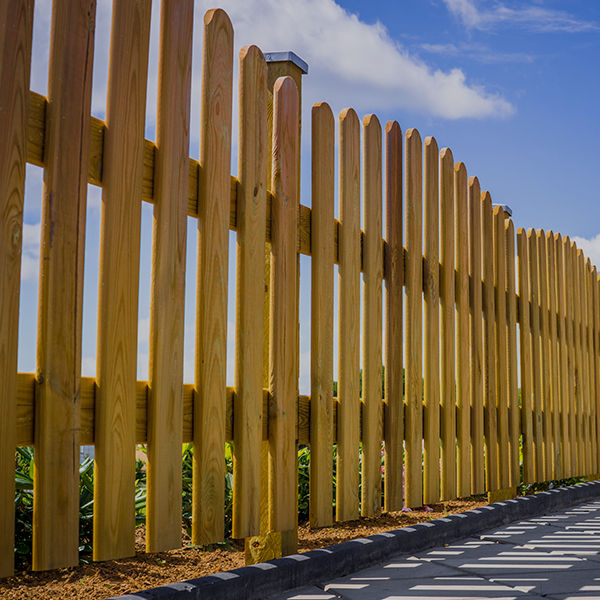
x=57, y=408
x=271, y=544
x=16, y=23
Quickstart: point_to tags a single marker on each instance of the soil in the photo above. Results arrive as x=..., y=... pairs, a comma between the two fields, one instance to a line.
x=117, y=577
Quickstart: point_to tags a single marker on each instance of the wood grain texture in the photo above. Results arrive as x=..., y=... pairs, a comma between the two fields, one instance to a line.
x=394, y=273
x=250, y=289
x=322, y=315
x=349, y=318
x=554, y=360
x=16, y=22
x=525, y=347
x=56, y=435
x=565, y=450
x=591, y=371
x=283, y=309
x=208, y=520
x=431, y=296
x=490, y=393
x=122, y=171
x=585, y=364
x=536, y=370
x=165, y=399
x=596, y=350
x=372, y=318
x=514, y=412
x=413, y=318
x=545, y=354
x=499, y=246
x=579, y=374
x=571, y=354
x=449, y=441
x=476, y=338
x=463, y=380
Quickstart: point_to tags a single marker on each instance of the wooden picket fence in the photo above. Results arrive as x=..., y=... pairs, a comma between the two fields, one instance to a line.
x=453, y=419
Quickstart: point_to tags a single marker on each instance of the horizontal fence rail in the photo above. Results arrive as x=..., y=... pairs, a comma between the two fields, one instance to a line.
x=481, y=372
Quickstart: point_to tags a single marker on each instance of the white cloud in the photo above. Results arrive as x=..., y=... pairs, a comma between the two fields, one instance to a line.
x=478, y=53
x=352, y=63
x=534, y=18
x=590, y=247
x=30, y=254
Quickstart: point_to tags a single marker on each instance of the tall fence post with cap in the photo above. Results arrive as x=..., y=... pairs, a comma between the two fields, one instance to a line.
x=273, y=544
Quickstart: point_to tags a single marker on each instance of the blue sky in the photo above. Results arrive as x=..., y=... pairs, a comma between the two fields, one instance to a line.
x=511, y=87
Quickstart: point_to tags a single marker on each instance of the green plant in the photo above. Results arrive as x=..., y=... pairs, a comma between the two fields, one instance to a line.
x=24, y=461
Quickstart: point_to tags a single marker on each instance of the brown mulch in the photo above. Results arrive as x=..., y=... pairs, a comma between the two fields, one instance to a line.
x=117, y=577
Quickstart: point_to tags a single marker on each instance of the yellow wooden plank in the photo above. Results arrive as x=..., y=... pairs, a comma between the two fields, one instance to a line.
x=56, y=435
x=591, y=368
x=431, y=293
x=122, y=170
x=349, y=319
x=596, y=354
x=394, y=272
x=545, y=354
x=250, y=317
x=571, y=354
x=536, y=370
x=211, y=295
x=579, y=435
x=490, y=392
x=165, y=398
x=322, y=228
x=514, y=413
x=526, y=364
x=553, y=406
x=448, y=358
x=283, y=309
x=413, y=318
x=463, y=391
x=499, y=269
x=476, y=333
x=565, y=455
x=16, y=21
x=372, y=319
x=585, y=363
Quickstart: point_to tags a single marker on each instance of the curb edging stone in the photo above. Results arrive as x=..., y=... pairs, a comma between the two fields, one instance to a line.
x=256, y=582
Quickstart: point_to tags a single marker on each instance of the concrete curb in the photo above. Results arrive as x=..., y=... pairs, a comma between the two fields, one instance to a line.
x=262, y=580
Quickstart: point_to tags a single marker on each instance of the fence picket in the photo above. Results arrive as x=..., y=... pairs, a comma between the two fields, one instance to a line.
x=499, y=267
x=514, y=414
x=490, y=394
x=431, y=297
x=526, y=351
x=348, y=438
x=413, y=318
x=322, y=230
x=16, y=23
x=565, y=456
x=211, y=295
x=546, y=399
x=448, y=357
x=476, y=333
x=122, y=169
x=372, y=321
x=250, y=289
x=283, y=309
x=165, y=393
x=463, y=381
x=394, y=271
x=555, y=365
x=571, y=364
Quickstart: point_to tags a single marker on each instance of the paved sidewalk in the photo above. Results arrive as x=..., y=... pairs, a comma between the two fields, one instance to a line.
x=555, y=556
